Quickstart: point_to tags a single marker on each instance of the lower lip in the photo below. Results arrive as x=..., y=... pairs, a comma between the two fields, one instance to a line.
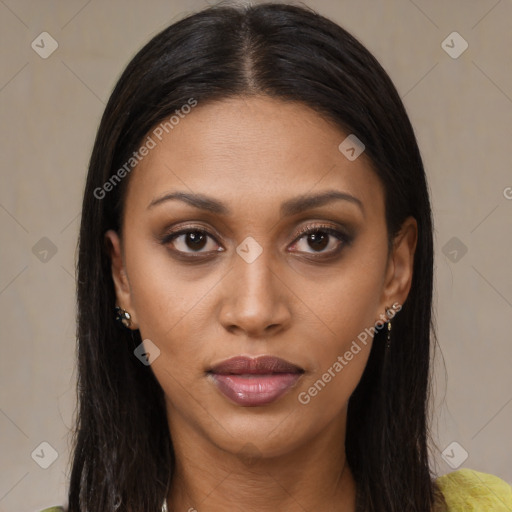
x=254, y=390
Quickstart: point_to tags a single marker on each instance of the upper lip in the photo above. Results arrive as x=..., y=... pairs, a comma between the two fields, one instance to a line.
x=240, y=365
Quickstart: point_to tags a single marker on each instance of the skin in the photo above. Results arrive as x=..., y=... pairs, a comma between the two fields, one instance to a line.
x=252, y=154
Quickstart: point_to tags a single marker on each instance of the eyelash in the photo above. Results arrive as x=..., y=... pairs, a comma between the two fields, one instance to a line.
x=342, y=237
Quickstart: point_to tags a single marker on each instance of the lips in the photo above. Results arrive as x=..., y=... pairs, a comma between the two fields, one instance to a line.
x=241, y=365
x=253, y=382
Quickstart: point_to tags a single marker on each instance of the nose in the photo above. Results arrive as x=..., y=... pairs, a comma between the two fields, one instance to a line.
x=254, y=299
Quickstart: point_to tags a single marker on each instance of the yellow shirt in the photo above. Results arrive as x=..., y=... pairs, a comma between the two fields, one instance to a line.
x=464, y=490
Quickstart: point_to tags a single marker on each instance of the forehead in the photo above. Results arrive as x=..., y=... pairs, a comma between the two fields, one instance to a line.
x=251, y=149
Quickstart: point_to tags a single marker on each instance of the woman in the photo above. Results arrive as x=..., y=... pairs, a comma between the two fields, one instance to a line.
x=255, y=281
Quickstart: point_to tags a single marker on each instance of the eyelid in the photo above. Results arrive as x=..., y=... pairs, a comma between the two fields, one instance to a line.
x=316, y=227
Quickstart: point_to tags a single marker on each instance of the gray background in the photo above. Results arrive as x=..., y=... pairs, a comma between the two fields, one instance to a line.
x=461, y=109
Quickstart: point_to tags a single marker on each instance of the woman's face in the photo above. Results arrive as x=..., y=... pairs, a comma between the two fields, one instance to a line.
x=225, y=269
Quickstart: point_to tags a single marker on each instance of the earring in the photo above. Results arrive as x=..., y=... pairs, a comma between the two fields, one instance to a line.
x=123, y=317
x=390, y=313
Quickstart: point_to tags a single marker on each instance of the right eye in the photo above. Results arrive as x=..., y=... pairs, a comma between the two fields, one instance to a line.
x=192, y=240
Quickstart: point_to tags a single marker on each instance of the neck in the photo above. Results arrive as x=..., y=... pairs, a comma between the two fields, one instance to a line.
x=312, y=476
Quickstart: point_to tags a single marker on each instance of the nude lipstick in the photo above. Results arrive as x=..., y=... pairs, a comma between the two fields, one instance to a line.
x=252, y=382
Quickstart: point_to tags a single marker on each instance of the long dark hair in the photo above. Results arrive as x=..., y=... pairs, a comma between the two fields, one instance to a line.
x=123, y=456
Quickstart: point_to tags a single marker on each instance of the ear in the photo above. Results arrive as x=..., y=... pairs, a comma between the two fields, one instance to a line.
x=119, y=276
x=400, y=265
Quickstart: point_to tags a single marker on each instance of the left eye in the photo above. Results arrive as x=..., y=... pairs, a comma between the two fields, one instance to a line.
x=319, y=240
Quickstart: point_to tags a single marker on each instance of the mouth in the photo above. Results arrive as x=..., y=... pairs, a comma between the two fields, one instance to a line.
x=251, y=382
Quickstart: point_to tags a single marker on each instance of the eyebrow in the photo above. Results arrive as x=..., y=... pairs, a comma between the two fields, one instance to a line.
x=289, y=207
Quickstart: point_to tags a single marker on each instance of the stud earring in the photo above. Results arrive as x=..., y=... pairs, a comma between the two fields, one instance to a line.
x=123, y=317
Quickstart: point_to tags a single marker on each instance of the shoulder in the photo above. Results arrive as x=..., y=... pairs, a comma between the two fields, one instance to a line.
x=53, y=509
x=466, y=490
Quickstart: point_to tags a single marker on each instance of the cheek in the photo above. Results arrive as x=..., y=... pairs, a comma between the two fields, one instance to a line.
x=167, y=297
x=345, y=300
x=341, y=351
x=327, y=392
x=339, y=356
x=347, y=304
